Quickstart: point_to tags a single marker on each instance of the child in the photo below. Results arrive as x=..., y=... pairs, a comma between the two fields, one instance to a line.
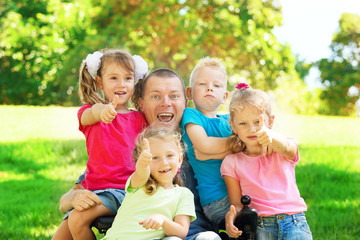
x=205, y=133
x=268, y=179
x=110, y=129
x=155, y=205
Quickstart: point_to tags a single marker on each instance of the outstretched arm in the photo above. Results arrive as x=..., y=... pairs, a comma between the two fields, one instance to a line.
x=279, y=143
x=203, y=143
x=100, y=112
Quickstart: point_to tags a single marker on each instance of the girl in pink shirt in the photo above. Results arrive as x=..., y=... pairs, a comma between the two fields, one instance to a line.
x=263, y=167
x=106, y=83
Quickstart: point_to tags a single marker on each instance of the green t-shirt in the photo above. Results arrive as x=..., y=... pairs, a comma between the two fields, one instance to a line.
x=137, y=206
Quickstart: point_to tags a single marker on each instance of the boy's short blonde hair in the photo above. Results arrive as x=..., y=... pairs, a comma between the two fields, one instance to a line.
x=215, y=63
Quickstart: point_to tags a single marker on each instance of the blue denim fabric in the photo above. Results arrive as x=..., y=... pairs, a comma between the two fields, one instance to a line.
x=282, y=226
x=201, y=224
x=111, y=198
x=217, y=210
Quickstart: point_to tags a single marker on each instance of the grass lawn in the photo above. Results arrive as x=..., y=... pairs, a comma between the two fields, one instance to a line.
x=42, y=153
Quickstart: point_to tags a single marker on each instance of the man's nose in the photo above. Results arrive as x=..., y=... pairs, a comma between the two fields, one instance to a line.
x=165, y=101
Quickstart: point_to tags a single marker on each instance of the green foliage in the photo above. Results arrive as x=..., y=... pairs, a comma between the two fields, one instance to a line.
x=34, y=38
x=42, y=43
x=340, y=73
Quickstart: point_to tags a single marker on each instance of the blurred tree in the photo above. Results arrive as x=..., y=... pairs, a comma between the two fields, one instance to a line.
x=34, y=36
x=173, y=34
x=340, y=73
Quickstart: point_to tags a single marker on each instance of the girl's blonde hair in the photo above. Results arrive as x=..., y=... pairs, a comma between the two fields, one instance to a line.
x=89, y=92
x=214, y=63
x=162, y=134
x=242, y=98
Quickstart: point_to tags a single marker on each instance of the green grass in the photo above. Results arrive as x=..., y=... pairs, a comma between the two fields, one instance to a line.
x=42, y=153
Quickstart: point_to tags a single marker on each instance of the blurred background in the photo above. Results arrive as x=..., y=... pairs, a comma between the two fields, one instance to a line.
x=42, y=44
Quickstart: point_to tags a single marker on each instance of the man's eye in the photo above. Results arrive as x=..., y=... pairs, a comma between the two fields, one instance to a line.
x=170, y=155
x=257, y=122
x=242, y=123
x=155, y=158
x=175, y=96
x=155, y=97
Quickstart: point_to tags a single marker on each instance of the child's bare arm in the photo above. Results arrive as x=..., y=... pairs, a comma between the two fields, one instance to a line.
x=235, y=194
x=203, y=156
x=100, y=112
x=279, y=143
x=205, y=144
x=179, y=227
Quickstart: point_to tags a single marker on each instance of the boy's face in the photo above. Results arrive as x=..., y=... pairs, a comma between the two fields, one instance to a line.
x=208, y=90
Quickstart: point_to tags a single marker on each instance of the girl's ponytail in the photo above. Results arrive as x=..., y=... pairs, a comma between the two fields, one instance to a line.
x=88, y=89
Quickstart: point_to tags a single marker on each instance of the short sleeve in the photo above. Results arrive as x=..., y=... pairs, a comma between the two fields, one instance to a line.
x=186, y=204
x=79, y=114
x=228, y=167
x=190, y=115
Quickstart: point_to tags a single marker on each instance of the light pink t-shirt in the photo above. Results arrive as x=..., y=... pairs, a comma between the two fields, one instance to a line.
x=110, y=148
x=268, y=180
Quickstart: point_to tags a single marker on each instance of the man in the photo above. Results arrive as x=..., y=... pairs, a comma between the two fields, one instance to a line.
x=161, y=97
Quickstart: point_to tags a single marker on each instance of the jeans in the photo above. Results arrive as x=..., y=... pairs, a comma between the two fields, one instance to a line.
x=216, y=211
x=283, y=226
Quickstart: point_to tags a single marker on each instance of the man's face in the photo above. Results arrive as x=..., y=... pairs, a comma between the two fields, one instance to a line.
x=164, y=101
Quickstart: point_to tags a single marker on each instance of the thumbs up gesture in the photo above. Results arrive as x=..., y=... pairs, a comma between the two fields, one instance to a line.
x=109, y=113
x=145, y=156
x=264, y=137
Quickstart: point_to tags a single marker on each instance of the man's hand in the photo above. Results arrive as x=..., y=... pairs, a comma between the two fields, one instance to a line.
x=109, y=113
x=85, y=200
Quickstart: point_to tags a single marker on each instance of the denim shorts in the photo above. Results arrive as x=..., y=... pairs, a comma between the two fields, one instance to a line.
x=283, y=226
x=111, y=198
x=217, y=210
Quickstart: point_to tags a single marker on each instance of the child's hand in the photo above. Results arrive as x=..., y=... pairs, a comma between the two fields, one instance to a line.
x=109, y=113
x=231, y=230
x=145, y=156
x=153, y=222
x=264, y=137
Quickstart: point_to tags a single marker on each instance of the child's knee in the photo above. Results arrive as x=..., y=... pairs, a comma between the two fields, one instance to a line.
x=77, y=220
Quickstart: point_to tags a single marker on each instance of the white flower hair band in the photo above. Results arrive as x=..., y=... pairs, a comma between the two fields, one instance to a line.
x=93, y=62
x=141, y=67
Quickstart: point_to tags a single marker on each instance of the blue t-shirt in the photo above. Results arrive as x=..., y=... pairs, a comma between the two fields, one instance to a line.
x=211, y=185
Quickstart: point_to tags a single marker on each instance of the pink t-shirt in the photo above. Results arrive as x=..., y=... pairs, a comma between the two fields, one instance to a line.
x=268, y=180
x=110, y=148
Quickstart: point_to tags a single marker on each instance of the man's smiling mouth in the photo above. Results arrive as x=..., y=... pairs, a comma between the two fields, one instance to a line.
x=165, y=117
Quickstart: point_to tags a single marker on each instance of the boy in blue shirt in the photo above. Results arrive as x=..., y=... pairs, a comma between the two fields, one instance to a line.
x=205, y=133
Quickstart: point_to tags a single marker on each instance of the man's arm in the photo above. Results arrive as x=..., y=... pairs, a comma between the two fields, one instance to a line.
x=78, y=197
